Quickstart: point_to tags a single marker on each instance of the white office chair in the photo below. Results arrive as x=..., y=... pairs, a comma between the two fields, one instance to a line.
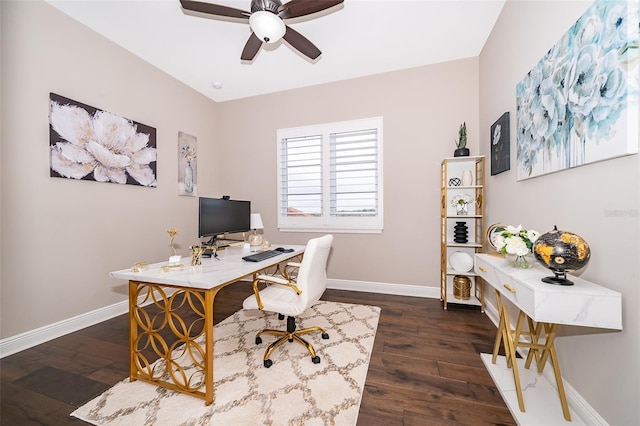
x=287, y=297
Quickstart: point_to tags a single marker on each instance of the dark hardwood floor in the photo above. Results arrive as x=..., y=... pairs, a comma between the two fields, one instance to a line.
x=425, y=367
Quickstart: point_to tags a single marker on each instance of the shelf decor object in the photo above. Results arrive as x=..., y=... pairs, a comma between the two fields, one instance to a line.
x=461, y=143
x=562, y=252
x=461, y=229
x=460, y=233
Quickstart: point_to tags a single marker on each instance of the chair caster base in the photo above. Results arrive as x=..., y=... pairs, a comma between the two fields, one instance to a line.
x=258, y=340
x=316, y=359
x=268, y=363
x=325, y=335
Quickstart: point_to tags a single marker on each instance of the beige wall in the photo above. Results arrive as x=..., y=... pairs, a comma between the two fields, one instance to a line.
x=422, y=110
x=601, y=365
x=61, y=237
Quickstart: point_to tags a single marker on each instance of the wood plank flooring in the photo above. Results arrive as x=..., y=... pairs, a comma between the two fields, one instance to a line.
x=425, y=367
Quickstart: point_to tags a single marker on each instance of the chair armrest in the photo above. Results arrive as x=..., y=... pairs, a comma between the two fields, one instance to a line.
x=275, y=280
x=286, y=273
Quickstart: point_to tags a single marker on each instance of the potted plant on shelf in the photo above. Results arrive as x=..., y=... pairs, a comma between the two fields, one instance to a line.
x=461, y=143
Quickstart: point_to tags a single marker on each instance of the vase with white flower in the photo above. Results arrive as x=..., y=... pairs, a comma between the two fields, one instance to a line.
x=517, y=242
x=461, y=203
x=189, y=154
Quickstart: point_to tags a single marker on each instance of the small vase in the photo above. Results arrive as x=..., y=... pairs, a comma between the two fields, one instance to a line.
x=461, y=208
x=188, y=178
x=520, y=262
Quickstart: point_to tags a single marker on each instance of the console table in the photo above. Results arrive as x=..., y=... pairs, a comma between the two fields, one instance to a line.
x=542, y=308
x=171, y=317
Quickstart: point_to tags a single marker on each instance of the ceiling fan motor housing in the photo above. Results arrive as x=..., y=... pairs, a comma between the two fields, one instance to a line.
x=266, y=5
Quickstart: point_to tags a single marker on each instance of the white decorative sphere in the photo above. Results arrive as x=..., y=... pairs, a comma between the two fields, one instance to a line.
x=461, y=261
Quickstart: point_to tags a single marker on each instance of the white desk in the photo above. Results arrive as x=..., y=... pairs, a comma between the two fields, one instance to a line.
x=158, y=299
x=543, y=307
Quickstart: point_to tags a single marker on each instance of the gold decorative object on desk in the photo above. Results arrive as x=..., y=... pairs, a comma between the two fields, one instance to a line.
x=196, y=255
x=175, y=258
x=139, y=266
x=167, y=268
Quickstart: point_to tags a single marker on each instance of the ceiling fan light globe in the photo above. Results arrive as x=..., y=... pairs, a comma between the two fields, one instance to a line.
x=267, y=26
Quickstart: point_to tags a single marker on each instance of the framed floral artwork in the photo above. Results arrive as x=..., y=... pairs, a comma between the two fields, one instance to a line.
x=87, y=143
x=187, y=165
x=500, y=149
x=579, y=104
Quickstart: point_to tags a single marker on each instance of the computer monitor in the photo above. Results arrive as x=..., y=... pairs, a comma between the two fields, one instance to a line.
x=219, y=216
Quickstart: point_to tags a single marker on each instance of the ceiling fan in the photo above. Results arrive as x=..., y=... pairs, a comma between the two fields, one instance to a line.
x=266, y=20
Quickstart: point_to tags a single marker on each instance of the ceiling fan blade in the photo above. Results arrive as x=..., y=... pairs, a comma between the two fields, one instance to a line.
x=251, y=48
x=301, y=43
x=297, y=8
x=214, y=9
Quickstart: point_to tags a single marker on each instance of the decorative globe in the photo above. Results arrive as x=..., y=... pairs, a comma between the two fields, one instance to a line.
x=562, y=252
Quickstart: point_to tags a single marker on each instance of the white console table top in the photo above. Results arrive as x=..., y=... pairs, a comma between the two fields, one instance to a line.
x=582, y=304
x=228, y=267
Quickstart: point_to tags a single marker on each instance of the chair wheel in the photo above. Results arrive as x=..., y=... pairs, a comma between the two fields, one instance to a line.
x=325, y=335
x=315, y=359
x=258, y=340
x=280, y=316
x=268, y=363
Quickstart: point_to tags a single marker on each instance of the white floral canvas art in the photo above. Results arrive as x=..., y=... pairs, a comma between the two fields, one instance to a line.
x=579, y=105
x=90, y=144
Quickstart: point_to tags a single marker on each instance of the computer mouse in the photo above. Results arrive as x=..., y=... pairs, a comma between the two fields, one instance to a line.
x=282, y=249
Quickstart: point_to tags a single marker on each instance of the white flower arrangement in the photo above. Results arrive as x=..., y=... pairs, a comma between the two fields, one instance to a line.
x=514, y=240
x=461, y=199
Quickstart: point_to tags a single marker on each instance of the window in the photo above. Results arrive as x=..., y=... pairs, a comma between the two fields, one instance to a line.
x=330, y=177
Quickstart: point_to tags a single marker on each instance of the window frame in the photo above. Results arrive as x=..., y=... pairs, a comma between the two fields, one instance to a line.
x=325, y=222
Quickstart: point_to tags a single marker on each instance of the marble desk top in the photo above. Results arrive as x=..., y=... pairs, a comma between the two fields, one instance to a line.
x=226, y=268
x=583, y=304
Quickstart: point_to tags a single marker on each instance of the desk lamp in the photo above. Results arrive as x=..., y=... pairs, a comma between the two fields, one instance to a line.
x=255, y=239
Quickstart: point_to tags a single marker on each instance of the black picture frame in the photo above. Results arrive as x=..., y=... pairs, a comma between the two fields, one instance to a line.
x=499, y=145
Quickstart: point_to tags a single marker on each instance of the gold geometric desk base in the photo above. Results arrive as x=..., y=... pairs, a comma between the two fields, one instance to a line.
x=167, y=325
x=540, y=348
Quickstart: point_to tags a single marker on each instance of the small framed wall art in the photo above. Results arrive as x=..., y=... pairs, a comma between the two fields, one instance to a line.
x=500, y=150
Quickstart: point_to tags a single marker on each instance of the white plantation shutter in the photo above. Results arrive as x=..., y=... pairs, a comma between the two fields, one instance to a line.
x=354, y=173
x=330, y=177
x=301, y=176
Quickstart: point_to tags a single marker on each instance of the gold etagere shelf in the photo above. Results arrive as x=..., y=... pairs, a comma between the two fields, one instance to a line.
x=461, y=177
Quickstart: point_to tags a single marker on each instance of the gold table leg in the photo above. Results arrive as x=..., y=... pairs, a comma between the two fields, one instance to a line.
x=541, y=352
x=154, y=313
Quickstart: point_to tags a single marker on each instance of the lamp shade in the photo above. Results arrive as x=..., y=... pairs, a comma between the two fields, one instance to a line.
x=256, y=221
x=267, y=26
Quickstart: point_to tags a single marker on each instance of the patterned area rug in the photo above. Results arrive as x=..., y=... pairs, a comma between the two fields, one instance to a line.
x=294, y=391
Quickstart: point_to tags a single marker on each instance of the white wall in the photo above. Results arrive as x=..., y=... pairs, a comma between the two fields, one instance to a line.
x=61, y=237
x=601, y=365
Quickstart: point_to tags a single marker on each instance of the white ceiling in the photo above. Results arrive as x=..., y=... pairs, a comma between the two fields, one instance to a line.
x=357, y=38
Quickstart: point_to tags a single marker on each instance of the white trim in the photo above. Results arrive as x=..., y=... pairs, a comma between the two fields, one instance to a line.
x=40, y=335
x=385, y=288
x=28, y=339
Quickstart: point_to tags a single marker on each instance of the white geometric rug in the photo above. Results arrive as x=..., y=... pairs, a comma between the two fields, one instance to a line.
x=294, y=391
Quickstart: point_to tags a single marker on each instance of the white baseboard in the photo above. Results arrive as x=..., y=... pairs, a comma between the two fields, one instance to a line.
x=28, y=339
x=385, y=288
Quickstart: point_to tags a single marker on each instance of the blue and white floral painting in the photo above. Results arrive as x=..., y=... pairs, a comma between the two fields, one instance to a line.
x=86, y=143
x=579, y=104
